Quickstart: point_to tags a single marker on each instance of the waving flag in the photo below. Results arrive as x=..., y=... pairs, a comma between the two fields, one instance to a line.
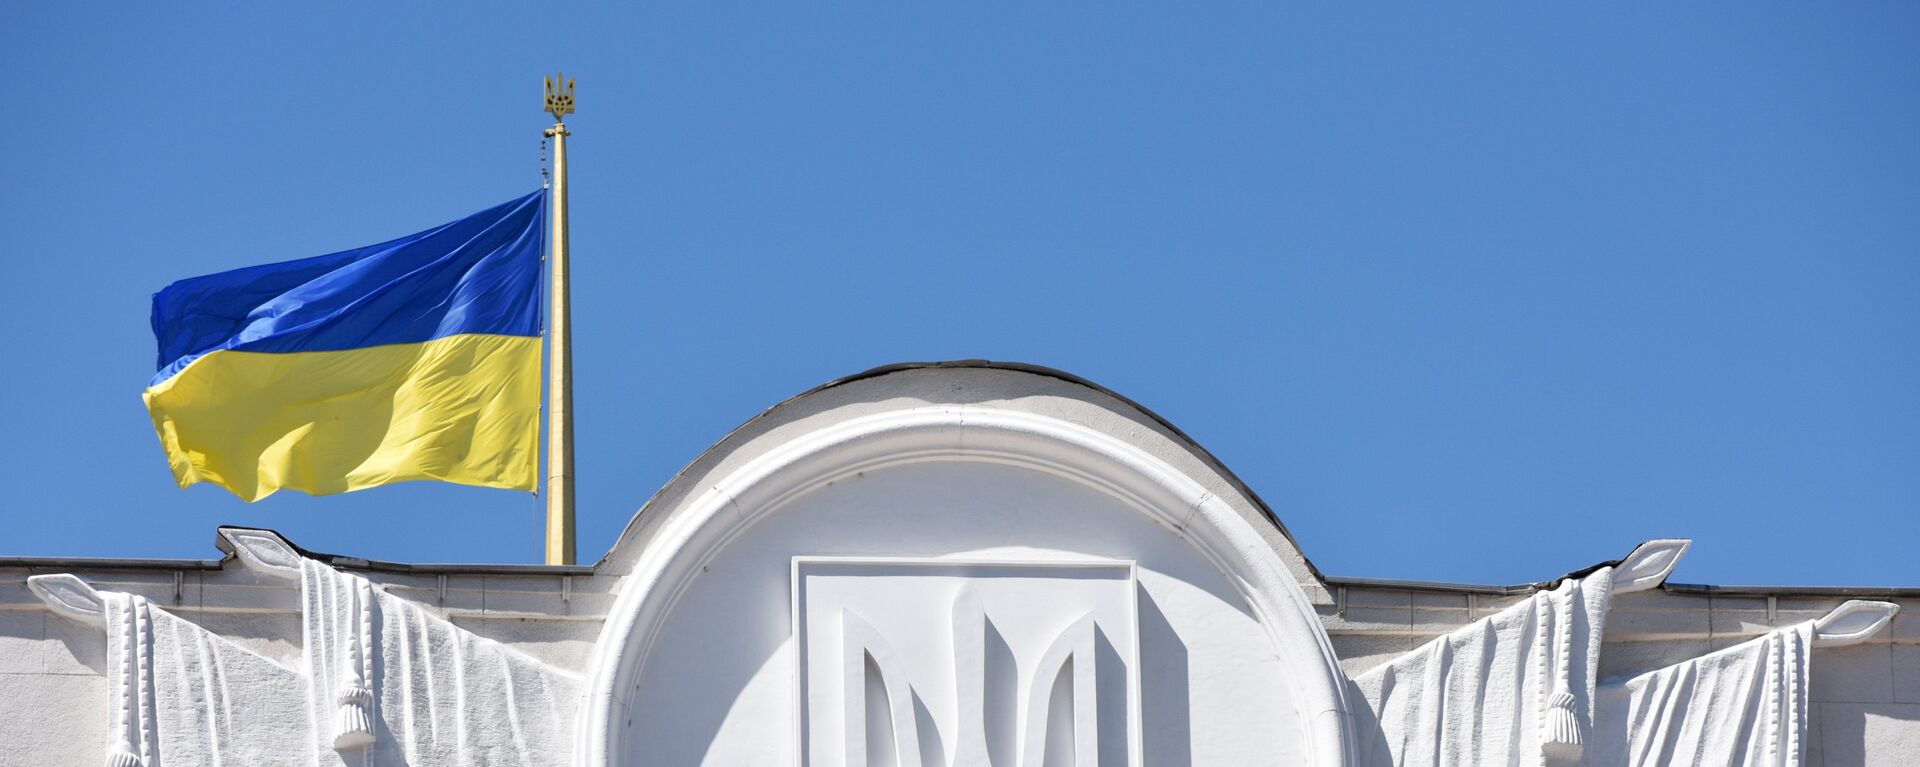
x=412, y=359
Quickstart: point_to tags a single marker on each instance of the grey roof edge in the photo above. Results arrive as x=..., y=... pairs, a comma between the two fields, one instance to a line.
x=69, y=564
x=1440, y=586
x=107, y=563
x=375, y=565
x=1467, y=588
x=1834, y=592
x=337, y=560
x=1895, y=592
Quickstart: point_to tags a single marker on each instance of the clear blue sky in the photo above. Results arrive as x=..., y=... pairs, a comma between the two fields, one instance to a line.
x=1466, y=293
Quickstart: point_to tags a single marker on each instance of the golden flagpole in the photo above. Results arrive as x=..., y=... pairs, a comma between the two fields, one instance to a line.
x=560, y=342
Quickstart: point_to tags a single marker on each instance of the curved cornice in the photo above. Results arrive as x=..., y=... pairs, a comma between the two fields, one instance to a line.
x=704, y=524
x=1180, y=437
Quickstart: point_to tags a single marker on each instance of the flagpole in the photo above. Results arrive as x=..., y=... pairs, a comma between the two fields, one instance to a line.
x=559, y=102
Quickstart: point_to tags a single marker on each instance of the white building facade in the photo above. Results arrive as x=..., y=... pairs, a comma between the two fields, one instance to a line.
x=953, y=565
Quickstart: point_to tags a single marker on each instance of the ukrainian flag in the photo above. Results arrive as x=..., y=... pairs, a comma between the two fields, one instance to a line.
x=412, y=359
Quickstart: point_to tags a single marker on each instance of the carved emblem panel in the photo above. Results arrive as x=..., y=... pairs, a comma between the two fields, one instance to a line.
x=931, y=663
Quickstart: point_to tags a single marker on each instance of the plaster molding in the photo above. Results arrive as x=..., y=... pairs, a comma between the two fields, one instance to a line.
x=134, y=740
x=1074, y=645
x=70, y=597
x=1649, y=564
x=709, y=520
x=1852, y=622
x=861, y=643
x=1068, y=631
x=264, y=551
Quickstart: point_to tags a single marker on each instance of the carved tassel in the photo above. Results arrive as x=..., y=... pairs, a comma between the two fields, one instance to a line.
x=123, y=758
x=355, y=721
x=1563, y=727
x=1560, y=740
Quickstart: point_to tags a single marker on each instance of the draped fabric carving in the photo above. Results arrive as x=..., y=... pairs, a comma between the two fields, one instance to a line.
x=1513, y=688
x=1744, y=706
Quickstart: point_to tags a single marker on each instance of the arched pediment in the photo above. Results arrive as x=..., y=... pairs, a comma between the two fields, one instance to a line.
x=929, y=511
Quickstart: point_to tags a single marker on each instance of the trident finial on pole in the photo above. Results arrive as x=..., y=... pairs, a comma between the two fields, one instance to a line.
x=559, y=97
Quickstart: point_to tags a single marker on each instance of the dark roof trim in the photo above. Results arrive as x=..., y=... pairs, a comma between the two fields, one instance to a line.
x=67, y=564
x=78, y=564
x=375, y=565
x=106, y=563
x=1469, y=588
x=1450, y=588
x=1692, y=589
x=1896, y=592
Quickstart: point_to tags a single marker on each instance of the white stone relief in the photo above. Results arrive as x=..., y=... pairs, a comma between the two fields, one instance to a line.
x=1853, y=622
x=1071, y=656
x=1745, y=705
x=641, y=657
x=1526, y=674
x=1562, y=739
x=973, y=663
x=128, y=622
x=262, y=550
x=1649, y=564
x=130, y=650
x=432, y=693
x=1516, y=684
x=899, y=739
x=352, y=647
x=180, y=695
x=70, y=597
x=382, y=681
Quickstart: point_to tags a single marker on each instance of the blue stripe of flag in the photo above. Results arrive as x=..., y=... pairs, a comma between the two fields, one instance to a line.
x=480, y=274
